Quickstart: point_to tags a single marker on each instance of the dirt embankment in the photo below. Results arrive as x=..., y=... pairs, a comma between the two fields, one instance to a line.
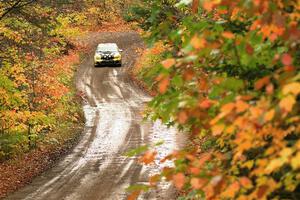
x=20, y=171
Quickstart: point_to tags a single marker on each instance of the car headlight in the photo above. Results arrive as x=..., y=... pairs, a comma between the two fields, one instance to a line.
x=97, y=57
x=117, y=55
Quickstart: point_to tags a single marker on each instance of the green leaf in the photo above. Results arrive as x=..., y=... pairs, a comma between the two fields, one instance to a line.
x=137, y=151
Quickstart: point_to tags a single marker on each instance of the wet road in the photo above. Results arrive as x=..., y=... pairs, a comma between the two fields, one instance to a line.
x=97, y=169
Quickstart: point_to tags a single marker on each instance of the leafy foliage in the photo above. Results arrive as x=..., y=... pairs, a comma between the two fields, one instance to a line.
x=230, y=75
x=37, y=58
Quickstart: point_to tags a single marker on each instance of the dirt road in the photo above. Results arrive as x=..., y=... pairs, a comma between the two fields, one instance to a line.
x=97, y=169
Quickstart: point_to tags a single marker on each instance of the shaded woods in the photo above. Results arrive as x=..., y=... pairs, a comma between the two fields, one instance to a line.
x=228, y=73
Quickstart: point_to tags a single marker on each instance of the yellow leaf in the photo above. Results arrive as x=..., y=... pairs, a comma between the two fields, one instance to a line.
x=286, y=152
x=295, y=162
x=249, y=164
x=274, y=164
x=287, y=103
x=293, y=88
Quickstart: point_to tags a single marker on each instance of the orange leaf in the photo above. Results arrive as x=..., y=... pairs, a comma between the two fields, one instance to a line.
x=205, y=157
x=197, y=42
x=228, y=35
x=262, y=82
x=148, y=157
x=203, y=86
x=194, y=170
x=198, y=183
x=182, y=117
x=286, y=59
x=134, y=195
x=241, y=106
x=208, y=6
x=188, y=74
x=168, y=63
x=209, y=191
x=179, y=180
x=227, y=108
x=163, y=85
x=287, y=103
x=246, y=182
x=269, y=115
x=205, y=104
x=217, y=129
x=232, y=190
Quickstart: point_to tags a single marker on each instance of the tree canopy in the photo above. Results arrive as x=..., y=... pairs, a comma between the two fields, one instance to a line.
x=229, y=75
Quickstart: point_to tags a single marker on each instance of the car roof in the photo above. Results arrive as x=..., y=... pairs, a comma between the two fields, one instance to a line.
x=107, y=47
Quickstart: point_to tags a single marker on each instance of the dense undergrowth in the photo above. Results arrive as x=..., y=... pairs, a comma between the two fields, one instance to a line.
x=228, y=72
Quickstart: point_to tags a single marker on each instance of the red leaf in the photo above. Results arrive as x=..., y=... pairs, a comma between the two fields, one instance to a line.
x=286, y=59
x=249, y=49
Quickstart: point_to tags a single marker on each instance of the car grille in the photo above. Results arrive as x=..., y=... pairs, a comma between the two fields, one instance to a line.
x=107, y=57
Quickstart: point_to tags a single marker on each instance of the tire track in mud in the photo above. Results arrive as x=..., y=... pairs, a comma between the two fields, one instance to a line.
x=97, y=169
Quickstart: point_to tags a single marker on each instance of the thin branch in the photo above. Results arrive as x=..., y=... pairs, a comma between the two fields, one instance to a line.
x=17, y=5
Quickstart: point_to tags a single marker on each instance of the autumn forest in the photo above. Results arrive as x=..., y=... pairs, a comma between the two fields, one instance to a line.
x=224, y=73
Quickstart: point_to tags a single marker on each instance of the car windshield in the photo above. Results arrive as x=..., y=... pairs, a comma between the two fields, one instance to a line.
x=107, y=48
